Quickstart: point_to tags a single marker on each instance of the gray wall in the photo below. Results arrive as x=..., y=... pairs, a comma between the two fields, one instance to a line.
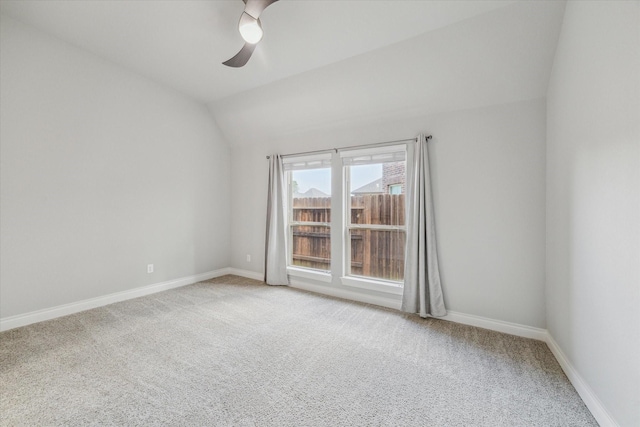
x=103, y=172
x=593, y=198
x=489, y=181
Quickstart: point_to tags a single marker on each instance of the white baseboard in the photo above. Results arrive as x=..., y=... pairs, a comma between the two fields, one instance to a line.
x=75, y=307
x=452, y=316
x=246, y=273
x=598, y=410
x=586, y=393
x=496, y=325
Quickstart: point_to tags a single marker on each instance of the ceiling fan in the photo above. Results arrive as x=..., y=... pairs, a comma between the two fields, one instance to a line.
x=250, y=30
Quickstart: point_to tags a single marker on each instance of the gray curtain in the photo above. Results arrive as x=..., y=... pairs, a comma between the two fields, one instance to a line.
x=275, y=263
x=422, y=289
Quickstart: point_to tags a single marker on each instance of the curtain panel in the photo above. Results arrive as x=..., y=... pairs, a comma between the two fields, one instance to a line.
x=422, y=292
x=275, y=265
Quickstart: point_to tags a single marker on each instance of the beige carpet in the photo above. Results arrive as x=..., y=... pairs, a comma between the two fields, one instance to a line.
x=233, y=351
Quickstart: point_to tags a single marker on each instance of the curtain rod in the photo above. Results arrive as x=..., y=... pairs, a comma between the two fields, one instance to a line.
x=307, y=152
x=428, y=137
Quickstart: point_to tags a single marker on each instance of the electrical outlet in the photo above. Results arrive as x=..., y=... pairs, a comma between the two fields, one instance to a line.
x=248, y=258
x=149, y=268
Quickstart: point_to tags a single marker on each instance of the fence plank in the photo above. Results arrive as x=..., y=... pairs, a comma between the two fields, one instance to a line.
x=374, y=253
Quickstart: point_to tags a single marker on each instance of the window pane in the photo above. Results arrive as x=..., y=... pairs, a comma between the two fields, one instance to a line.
x=378, y=253
x=311, y=247
x=378, y=193
x=310, y=192
x=311, y=184
x=395, y=189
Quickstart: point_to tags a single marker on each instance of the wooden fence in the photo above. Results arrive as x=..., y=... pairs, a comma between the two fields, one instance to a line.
x=374, y=253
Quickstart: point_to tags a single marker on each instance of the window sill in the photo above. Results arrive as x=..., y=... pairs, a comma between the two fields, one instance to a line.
x=305, y=273
x=374, y=285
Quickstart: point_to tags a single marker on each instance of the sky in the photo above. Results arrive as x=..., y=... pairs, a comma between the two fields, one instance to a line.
x=321, y=178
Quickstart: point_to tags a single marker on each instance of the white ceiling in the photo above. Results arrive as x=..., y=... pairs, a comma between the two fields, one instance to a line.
x=183, y=43
x=500, y=57
x=321, y=63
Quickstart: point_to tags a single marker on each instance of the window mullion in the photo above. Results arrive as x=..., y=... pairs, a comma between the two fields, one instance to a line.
x=377, y=227
x=316, y=224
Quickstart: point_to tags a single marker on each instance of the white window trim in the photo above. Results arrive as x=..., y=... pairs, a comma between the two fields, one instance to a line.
x=315, y=161
x=310, y=273
x=309, y=223
x=380, y=285
x=377, y=227
x=340, y=265
x=372, y=151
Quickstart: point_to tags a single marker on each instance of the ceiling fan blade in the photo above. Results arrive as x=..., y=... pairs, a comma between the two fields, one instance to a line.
x=241, y=57
x=255, y=7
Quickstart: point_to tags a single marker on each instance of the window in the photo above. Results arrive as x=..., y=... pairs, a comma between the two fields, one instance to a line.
x=309, y=211
x=371, y=217
x=375, y=212
x=395, y=189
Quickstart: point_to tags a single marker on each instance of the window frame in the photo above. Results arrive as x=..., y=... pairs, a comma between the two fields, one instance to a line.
x=396, y=186
x=339, y=227
x=348, y=278
x=297, y=270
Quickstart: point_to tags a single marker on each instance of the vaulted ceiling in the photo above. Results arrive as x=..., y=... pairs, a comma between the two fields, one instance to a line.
x=320, y=62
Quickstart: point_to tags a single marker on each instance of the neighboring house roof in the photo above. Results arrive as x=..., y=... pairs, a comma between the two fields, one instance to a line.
x=312, y=192
x=370, y=188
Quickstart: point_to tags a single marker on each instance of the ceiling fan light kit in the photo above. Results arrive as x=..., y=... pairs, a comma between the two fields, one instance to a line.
x=250, y=29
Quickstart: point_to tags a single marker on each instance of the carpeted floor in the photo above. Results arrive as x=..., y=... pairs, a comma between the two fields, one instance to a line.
x=235, y=352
